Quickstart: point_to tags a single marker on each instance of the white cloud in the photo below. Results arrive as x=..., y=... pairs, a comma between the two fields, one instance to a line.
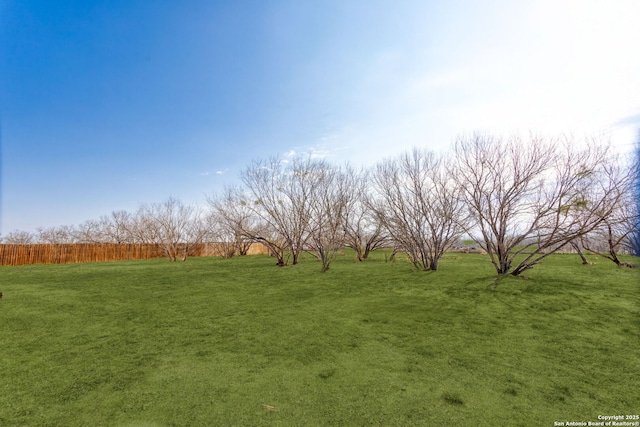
x=218, y=172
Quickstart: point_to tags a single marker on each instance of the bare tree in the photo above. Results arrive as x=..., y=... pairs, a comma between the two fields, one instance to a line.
x=279, y=195
x=89, y=232
x=232, y=221
x=329, y=201
x=527, y=198
x=364, y=233
x=237, y=210
x=618, y=214
x=142, y=228
x=173, y=225
x=417, y=200
x=56, y=234
x=117, y=227
x=219, y=236
x=197, y=231
x=237, y=223
x=19, y=237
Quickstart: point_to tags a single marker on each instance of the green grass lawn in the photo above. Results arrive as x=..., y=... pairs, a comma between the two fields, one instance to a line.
x=210, y=341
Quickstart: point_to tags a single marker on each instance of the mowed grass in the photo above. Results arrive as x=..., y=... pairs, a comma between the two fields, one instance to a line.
x=241, y=342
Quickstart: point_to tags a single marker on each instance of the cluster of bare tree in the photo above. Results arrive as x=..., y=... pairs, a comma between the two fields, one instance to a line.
x=519, y=199
x=299, y=205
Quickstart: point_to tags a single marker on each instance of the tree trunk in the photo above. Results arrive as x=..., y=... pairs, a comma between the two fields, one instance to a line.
x=612, y=247
x=367, y=250
x=575, y=246
x=503, y=266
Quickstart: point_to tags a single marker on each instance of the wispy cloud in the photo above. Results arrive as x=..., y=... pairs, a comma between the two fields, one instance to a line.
x=327, y=146
x=218, y=172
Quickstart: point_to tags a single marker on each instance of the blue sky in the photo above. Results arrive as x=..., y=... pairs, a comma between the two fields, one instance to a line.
x=108, y=104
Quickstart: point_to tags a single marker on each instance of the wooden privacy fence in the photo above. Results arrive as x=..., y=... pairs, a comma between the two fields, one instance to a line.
x=99, y=252
x=71, y=253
